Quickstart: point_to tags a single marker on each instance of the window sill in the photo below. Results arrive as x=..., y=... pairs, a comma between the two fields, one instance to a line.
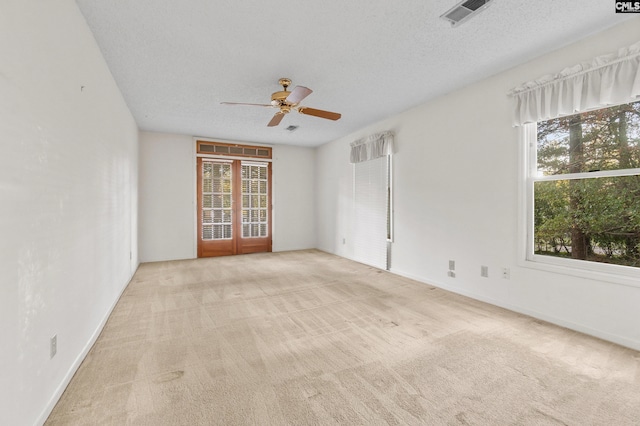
x=616, y=274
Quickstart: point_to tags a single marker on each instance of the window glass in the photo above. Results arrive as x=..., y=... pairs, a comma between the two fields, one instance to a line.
x=586, y=186
x=605, y=139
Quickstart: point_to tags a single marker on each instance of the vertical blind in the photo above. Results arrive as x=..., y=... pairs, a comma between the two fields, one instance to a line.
x=370, y=212
x=371, y=199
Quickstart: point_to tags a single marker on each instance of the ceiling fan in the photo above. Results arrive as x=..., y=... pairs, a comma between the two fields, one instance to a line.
x=287, y=101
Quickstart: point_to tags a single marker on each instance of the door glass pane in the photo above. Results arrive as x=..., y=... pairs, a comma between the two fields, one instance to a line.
x=207, y=216
x=217, y=232
x=254, y=200
x=217, y=215
x=216, y=200
x=207, y=185
x=207, y=232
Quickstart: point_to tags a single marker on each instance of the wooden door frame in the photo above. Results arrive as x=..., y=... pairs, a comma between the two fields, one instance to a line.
x=237, y=244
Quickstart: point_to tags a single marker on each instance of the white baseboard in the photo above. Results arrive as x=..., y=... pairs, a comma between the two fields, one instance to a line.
x=46, y=412
x=620, y=340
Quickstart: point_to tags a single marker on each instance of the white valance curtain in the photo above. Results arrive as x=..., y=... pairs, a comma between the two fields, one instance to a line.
x=607, y=80
x=371, y=147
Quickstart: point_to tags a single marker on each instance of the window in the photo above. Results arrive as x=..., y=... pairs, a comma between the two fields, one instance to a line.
x=583, y=189
x=372, y=218
x=372, y=208
x=226, y=149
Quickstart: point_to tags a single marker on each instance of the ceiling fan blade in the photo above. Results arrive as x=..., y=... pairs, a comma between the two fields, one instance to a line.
x=319, y=113
x=298, y=94
x=240, y=103
x=277, y=118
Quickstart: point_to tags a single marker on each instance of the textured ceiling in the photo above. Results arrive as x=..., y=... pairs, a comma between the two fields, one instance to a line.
x=175, y=61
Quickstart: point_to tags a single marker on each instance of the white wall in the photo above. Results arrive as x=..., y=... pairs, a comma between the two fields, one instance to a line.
x=456, y=197
x=167, y=197
x=168, y=188
x=294, y=207
x=68, y=201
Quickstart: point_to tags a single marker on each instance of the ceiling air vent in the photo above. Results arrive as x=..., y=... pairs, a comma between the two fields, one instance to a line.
x=465, y=10
x=291, y=128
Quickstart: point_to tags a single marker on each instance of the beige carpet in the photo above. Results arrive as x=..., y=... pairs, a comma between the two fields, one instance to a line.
x=307, y=338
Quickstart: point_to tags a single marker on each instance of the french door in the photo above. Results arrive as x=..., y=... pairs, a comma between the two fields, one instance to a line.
x=234, y=207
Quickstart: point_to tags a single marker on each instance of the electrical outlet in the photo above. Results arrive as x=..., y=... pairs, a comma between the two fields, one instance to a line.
x=452, y=265
x=484, y=271
x=53, y=346
x=506, y=273
x=451, y=274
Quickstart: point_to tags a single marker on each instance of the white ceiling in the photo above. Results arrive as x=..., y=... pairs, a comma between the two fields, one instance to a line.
x=175, y=61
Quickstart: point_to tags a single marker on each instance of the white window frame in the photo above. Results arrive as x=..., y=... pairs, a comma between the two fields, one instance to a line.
x=618, y=274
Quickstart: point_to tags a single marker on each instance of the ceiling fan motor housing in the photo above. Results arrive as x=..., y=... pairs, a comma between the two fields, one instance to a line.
x=280, y=96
